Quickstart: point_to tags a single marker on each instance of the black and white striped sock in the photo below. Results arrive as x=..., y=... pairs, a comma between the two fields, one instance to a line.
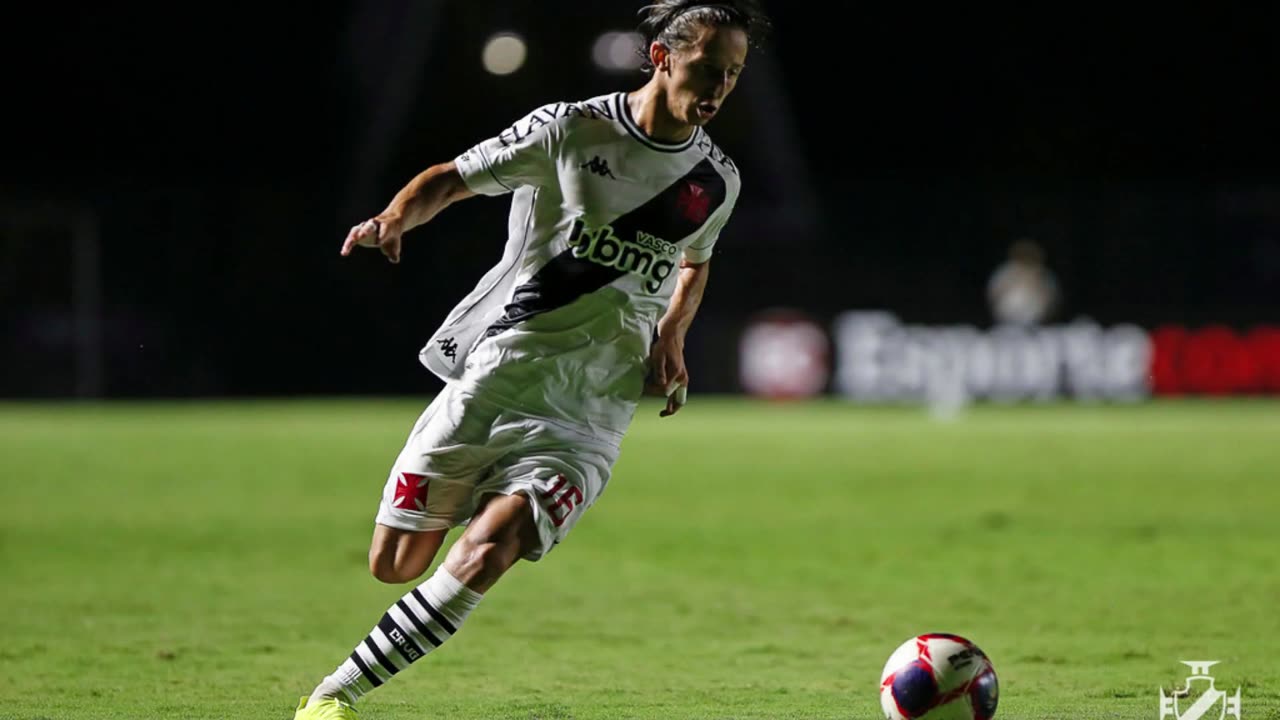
x=415, y=625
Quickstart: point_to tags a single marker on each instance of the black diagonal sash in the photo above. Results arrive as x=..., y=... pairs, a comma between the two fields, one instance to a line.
x=678, y=211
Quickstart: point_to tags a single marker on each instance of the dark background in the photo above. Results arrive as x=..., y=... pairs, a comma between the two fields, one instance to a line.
x=890, y=155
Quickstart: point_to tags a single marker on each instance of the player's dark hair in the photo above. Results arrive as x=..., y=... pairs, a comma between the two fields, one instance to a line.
x=675, y=23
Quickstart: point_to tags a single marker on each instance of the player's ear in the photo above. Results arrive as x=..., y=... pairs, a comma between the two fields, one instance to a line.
x=659, y=56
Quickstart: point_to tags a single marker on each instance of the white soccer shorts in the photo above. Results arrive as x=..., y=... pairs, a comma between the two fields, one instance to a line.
x=464, y=447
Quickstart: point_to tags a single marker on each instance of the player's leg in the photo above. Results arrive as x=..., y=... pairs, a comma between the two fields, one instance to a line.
x=430, y=489
x=525, y=508
x=501, y=532
x=422, y=620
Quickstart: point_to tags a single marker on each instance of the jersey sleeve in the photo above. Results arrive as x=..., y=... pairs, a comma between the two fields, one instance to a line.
x=700, y=250
x=523, y=154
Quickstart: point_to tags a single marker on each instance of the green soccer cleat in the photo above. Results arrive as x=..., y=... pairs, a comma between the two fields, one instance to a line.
x=325, y=710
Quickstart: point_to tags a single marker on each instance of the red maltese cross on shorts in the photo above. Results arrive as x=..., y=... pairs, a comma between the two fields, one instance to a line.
x=411, y=492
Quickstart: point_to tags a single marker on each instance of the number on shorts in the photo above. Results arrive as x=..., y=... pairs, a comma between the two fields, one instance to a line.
x=563, y=506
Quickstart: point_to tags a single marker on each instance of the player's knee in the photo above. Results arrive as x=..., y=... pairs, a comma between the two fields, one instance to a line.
x=477, y=561
x=390, y=575
x=383, y=566
x=399, y=556
x=489, y=548
x=483, y=558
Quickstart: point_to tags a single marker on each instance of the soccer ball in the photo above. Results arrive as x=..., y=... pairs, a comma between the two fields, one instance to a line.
x=938, y=677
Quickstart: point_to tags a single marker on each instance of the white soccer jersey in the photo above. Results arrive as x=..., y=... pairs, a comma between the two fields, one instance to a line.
x=601, y=215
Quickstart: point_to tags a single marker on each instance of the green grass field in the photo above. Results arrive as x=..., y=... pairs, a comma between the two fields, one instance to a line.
x=207, y=560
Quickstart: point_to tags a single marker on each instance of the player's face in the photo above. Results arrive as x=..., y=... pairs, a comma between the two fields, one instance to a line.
x=704, y=74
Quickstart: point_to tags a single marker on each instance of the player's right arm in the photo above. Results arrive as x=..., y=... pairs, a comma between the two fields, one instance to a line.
x=519, y=156
x=431, y=191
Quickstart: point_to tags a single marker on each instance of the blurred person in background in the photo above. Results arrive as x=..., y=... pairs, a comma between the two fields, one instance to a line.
x=1023, y=290
x=617, y=203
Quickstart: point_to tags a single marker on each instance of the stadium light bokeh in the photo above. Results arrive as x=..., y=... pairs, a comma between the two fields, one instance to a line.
x=504, y=53
x=616, y=51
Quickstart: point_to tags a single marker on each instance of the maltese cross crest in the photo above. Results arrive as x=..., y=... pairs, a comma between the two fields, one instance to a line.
x=411, y=492
x=1212, y=704
x=694, y=202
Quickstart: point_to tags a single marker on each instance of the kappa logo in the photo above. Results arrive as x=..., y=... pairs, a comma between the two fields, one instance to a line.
x=411, y=492
x=448, y=348
x=1205, y=706
x=599, y=166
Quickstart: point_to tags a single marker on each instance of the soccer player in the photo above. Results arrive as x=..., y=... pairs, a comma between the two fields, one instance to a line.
x=617, y=203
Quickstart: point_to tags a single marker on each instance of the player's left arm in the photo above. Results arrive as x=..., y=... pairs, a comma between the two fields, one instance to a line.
x=667, y=356
x=670, y=376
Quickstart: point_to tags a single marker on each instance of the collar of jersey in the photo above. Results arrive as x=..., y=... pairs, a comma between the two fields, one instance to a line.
x=624, y=114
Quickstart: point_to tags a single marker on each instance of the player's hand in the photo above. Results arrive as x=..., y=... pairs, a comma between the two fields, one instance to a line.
x=382, y=232
x=668, y=376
